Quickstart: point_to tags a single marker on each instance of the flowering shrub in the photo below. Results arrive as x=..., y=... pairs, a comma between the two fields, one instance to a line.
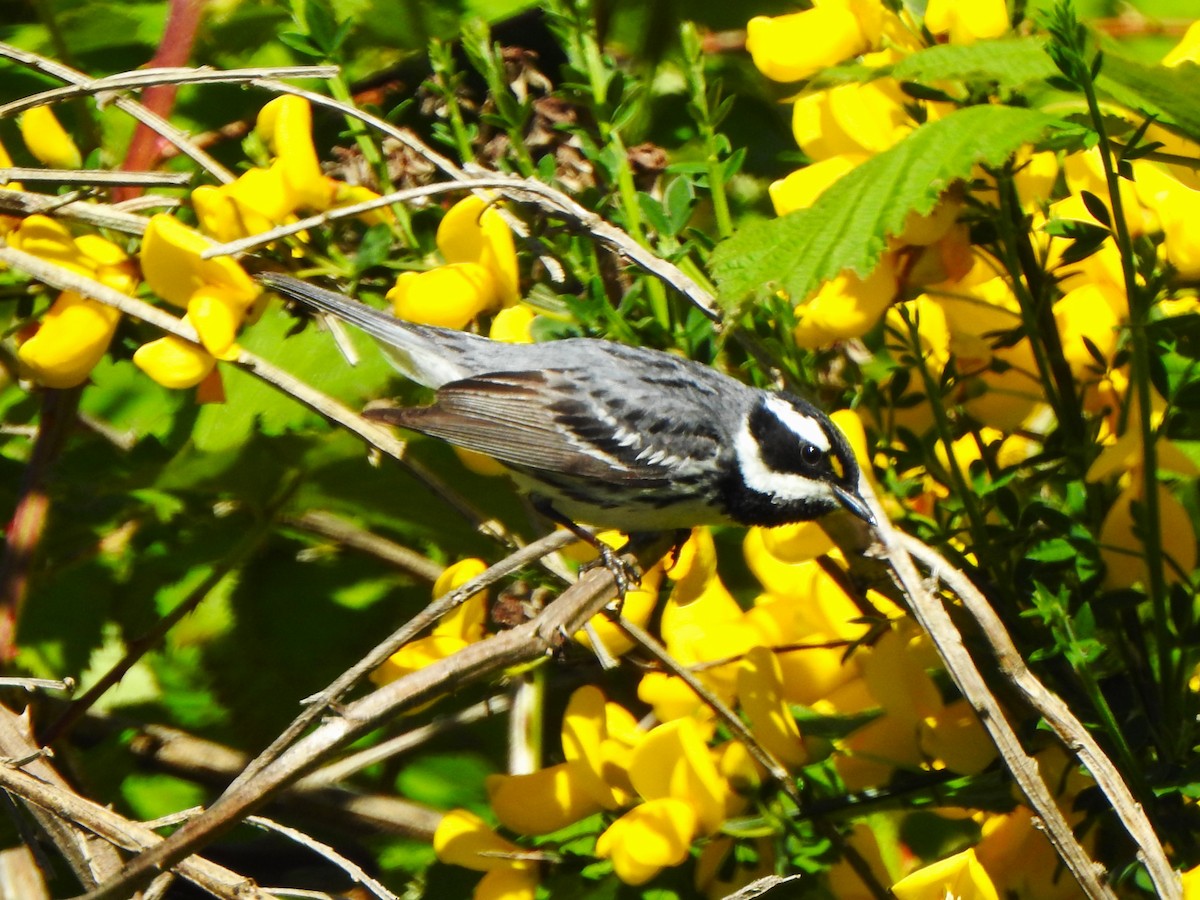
x=985, y=267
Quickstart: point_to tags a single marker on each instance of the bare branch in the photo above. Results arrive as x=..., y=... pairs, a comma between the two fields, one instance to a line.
x=932, y=616
x=140, y=78
x=95, y=176
x=1059, y=716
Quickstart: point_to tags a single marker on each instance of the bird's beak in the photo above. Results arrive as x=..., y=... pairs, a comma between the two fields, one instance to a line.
x=855, y=504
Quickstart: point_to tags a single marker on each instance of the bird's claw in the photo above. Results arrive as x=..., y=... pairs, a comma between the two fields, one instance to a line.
x=625, y=574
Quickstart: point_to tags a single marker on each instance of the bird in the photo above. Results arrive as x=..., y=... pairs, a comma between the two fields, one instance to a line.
x=609, y=435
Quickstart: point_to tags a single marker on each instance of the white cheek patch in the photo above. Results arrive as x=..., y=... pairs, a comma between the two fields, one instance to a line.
x=785, y=486
x=806, y=428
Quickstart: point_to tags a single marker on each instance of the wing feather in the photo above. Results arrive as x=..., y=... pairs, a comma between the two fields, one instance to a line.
x=523, y=419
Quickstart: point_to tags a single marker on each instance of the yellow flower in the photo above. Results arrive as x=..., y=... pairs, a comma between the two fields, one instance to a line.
x=174, y=363
x=456, y=629
x=467, y=620
x=543, y=801
x=798, y=45
x=350, y=194
x=257, y=202
x=514, y=883
x=72, y=337
x=513, y=325
x=449, y=296
x=472, y=231
x=173, y=268
x=1085, y=316
x=960, y=876
x=967, y=23
x=801, y=189
x=674, y=761
x=1187, y=50
x=47, y=140
x=845, y=306
x=1123, y=550
x=285, y=124
x=464, y=839
x=851, y=119
x=954, y=738
x=760, y=693
x=650, y=837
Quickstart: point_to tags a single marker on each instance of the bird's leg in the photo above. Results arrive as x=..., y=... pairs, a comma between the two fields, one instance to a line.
x=624, y=574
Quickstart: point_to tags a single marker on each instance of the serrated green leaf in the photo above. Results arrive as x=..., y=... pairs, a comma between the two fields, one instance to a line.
x=847, y=226
x=1009, y=62
x=1172, y=95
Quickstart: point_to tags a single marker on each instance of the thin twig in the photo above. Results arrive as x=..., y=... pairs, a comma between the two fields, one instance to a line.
x=140, y=78
x=344, y=212
x=40, y=684
x=95, y=176
x=355, y=872
x=347, y=767
x=154, y=122
x=24, y=203
x=1058, y=715
x=344, y=532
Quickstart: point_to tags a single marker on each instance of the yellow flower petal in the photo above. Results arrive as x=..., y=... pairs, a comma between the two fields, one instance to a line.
x=846, y=306
x=466, y=621
x=647, y=839
x=798, y=45
x=960, y=876
x=286, y=125
x=464, y=839
x=72, y=337
x=673, y=760
x=543, y=801
x=472, y=231
x=1187, y=50
x=173, y=362
x=216, y=318
x=967, y=23
x=801, y=189
x=514, y=883
x=760, y=693
x=47, y=140
x=173, y=268
x=954, y=738
x=513, y=325
x=1124, y=552
x=449, y=296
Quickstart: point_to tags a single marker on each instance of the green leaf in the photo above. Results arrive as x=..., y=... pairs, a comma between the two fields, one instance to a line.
x=1171, y=95
x=847, y=227
x=1010, y=63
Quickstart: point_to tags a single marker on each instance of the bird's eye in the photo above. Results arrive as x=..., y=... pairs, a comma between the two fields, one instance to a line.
x=811, y=455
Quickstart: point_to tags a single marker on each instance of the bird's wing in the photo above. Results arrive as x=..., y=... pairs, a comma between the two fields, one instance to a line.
x=539, y=421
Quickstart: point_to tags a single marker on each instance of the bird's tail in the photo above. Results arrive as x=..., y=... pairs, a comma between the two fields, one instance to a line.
x=409, y=346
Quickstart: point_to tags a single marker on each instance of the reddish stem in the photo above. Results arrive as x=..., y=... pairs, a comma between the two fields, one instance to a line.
x=145, y=150
x=28, y=522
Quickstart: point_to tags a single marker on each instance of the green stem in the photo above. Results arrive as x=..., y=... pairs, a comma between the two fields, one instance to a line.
x=975, y=518
x=1139, y=308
